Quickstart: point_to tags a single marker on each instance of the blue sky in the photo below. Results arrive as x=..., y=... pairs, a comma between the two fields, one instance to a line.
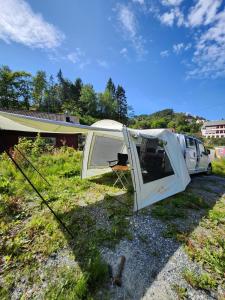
x=166, y=53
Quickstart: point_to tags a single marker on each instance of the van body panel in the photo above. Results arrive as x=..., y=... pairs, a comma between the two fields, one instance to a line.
x=196, y=157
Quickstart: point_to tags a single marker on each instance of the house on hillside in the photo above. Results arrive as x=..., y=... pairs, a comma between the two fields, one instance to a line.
x=9, y=138
x=214, y=129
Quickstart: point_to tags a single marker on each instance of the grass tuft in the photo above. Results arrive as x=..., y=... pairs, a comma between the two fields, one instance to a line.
x=204, y=281
x=180, y=291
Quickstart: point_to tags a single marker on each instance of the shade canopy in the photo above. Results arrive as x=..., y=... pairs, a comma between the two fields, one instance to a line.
x=9, y=121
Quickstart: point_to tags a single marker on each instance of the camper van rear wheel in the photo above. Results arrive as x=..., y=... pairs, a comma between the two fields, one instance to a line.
x=209, y=170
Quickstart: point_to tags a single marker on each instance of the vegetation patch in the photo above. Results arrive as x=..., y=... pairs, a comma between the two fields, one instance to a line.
x=218, y=167
x=176, y=206
x=180, y=291
x=30, y=234
x=204, y=281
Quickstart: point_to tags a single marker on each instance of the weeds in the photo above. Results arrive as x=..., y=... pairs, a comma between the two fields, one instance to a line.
x=180, y=291
x=204, y=281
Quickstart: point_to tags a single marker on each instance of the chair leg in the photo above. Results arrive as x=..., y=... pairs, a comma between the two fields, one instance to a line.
x=119, y=179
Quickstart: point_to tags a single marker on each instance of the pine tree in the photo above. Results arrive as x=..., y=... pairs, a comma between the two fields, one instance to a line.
x=122, y=109
x=110, y=86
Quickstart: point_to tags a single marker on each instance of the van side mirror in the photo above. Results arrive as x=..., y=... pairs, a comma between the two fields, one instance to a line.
x=207, y=151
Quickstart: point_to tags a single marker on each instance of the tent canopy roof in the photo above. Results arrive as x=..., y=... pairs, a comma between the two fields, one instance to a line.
x=16, y=122
x=9, y=121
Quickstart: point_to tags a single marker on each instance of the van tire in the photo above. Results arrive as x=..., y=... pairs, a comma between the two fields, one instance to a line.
x=209, y=170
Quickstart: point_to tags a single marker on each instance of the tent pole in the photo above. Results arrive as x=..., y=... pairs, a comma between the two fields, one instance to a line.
x=39, y=194
x=135, y=187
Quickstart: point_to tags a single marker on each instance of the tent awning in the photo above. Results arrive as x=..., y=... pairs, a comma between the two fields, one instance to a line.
x=9, y=121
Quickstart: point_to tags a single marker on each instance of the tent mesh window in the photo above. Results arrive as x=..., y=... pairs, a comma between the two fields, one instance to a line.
x=104, y=149
x=154, y=161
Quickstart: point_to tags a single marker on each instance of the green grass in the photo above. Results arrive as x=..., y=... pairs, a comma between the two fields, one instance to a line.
x=204, y=281
x=30, y=234
x=176, y=206
x=219, y=167
x=180, y=291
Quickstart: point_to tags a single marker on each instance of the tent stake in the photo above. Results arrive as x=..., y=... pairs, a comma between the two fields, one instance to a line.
x=39, y=194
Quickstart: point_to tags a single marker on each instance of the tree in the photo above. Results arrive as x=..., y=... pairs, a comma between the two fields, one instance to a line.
x=77, y=89
x=39, y=89
x=88, y=100
x=107, y=106
x=65, y=90
x=24, y=88
x=14, y=88
x=52, y=102
x=121, y=99
x=110, y=86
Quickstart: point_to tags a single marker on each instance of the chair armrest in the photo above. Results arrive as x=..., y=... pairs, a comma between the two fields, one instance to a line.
x=112, y=161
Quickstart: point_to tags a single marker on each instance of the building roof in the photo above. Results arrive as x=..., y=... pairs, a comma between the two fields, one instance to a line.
x=42, y=115
x=214, y=123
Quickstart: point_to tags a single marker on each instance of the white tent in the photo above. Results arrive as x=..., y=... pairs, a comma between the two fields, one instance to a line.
x=156, y=162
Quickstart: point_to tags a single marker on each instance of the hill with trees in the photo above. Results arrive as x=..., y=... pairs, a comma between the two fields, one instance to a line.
x=22, y=90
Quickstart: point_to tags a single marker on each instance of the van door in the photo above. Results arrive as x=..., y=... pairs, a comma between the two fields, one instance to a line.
x=191, y=154
x=204, y=159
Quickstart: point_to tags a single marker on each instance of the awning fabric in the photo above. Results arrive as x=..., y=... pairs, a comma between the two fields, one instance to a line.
x=9, y=121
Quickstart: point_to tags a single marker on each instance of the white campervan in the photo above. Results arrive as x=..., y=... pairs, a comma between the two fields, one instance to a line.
x=195, y=154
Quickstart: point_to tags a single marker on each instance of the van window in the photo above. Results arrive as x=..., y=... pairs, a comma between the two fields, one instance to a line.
x=190, y=142
x=201, y=148
x=154, y=161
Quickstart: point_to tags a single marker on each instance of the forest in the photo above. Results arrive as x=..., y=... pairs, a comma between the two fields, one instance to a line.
x=57, y=94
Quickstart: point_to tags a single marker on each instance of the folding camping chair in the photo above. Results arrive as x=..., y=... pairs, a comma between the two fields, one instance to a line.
x=120, y=168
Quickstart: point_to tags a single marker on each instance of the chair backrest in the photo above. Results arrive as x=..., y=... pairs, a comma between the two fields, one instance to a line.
x=122, y=159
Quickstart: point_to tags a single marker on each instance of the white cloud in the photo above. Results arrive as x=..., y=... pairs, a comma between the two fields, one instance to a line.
x=164, y=53
x=174, y=15
x=204, y=12
x=127, y=20
x=171, y=2
x=84, y=63
x=128, y=26
x=208, y=45
x=123, y=52
x=177, y=48
x=102, y=63
x=18, y=23
x=141, y=2
x=78, y=57
x=75, y=56
x=209, y=55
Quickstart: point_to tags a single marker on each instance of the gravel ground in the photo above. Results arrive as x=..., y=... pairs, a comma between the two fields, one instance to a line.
x=154, y=263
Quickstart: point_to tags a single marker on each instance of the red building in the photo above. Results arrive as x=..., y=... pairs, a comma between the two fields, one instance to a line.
x=9, y=138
